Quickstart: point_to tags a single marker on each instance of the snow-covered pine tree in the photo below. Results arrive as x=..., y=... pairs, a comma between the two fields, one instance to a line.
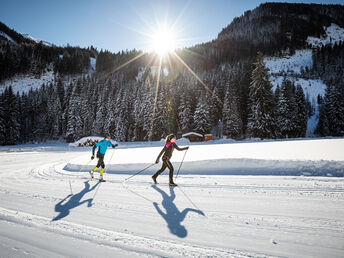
x=169, y=107
x=75, y=121
x=202, y=120
x=331, y=118
x=301, y=113
x=2, y=119
x=11, y=125
x=232, y=124
x=185, y=113
x=262, y=110
x=286, y=111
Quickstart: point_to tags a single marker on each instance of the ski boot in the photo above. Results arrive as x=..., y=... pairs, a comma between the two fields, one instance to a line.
x=154, y=179
x=91, y=174
x=101, y=179
x=172, y=184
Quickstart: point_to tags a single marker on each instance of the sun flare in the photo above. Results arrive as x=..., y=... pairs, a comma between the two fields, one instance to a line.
x=163, y=41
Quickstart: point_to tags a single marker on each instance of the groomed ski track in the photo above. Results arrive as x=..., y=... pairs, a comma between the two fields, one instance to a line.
x=47, y=211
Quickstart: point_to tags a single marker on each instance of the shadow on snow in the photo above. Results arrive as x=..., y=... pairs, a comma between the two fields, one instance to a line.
x=74, y=201
x=173, y=216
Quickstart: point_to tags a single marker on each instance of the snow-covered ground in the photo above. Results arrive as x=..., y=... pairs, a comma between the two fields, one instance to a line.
x=23, y=84
x=93, y=63
x=50, y=210
x=28, y=36
x=333, y=34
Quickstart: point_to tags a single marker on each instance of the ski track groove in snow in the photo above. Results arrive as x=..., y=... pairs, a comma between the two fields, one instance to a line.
x=147, y=246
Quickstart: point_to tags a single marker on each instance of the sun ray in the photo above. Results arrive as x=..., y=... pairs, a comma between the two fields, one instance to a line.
x=155, y=100
x=126, y=63
x=181, y=13
x=193, y=53
x=194, y=74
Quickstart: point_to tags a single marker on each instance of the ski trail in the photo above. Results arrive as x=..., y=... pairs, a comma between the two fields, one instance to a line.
x=127, y=242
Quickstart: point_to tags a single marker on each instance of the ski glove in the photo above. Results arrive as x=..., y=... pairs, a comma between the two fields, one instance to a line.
x=115, y=145
x=92, y=157
x=157, y=161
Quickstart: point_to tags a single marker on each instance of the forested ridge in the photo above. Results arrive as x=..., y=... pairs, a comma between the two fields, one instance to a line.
x=239, y=101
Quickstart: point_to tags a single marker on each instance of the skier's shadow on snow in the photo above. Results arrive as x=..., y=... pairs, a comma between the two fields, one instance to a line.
x=173, y=216
x=74, y=201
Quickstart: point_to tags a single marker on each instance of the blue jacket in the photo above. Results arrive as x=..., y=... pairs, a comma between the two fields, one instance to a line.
x=102, y=145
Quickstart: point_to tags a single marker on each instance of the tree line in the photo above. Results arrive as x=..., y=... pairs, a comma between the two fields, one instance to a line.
x=137, y=111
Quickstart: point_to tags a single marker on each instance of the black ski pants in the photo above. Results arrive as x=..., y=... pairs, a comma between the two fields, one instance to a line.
x=166, y=163
x=100, y=160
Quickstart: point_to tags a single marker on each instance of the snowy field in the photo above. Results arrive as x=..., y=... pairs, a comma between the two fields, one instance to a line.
x=234, y=199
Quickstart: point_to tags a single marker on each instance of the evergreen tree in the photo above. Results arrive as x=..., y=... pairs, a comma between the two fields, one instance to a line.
x=232, y=124
x=75, y=121
x=202, y=120
x=2, y=120
x=331, y=117
x=301, y=113
x=262, y=110
x=11, y=124
x=185, y=114
x=287, y=110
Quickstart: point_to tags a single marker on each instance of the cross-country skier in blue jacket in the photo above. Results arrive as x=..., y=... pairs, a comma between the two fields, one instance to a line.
x=102, y=147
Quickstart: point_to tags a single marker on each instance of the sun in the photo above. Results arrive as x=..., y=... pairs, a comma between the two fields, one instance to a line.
x=163, y=41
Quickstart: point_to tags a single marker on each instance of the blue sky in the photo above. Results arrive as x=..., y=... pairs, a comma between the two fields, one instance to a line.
x=117, y=25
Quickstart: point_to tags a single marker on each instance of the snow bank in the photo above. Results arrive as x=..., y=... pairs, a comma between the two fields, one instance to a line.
x=83, y=140
x=321, y=157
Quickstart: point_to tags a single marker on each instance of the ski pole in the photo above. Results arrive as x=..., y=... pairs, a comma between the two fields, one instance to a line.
x=181, y=164
x=139, y=172
x=113, y=152
x=85, y=165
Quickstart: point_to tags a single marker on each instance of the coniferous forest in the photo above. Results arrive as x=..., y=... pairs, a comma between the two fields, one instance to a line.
x=232, y=94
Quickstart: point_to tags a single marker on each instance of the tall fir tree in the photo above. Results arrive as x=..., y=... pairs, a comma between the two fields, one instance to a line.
x=261, y=121
x=331, y=117
x=286, y=111
x=232, y=124
x=202, y=119
x=301, y=113
x=2, y=120
x=11, y=124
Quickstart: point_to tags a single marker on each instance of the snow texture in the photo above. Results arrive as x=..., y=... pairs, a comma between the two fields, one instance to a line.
x=47, y=210
x=37, y=40
x=290, y=64
x=23, y=84
x=333, y=34
x=93, y=62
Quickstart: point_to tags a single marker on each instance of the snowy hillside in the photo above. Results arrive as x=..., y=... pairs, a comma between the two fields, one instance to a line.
x=333, y=34
x=48, y=210
x=37, y=40
x=23, y=83
x=290, y=67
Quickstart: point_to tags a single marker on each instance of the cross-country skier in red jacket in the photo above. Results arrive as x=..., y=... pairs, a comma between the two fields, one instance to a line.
x=167, y=151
